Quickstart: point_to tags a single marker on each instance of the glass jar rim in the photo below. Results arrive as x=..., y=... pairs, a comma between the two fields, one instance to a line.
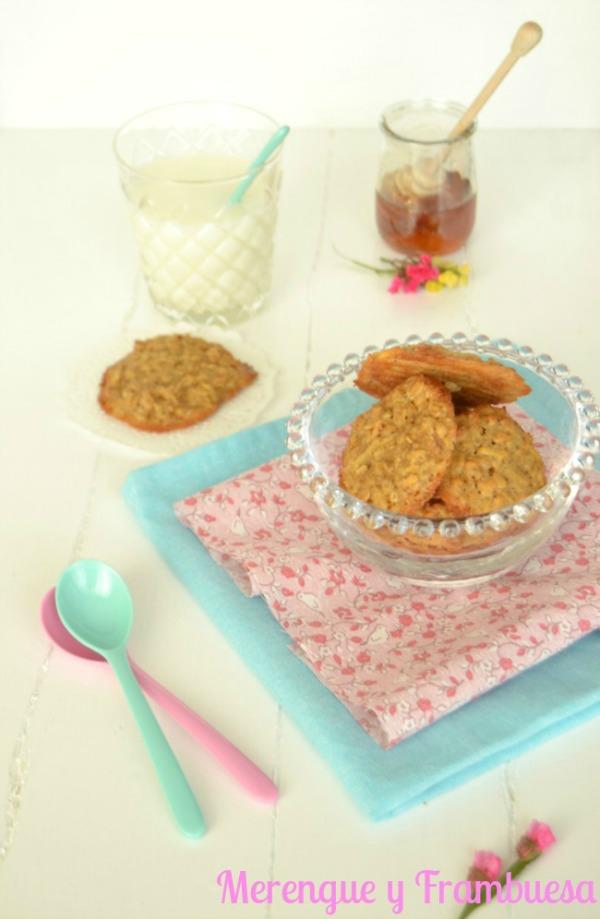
x=439, y=105
x=188, y=103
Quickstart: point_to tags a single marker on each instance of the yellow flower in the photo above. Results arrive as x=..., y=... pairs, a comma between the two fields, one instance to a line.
x=433, y=286
x=464, y=270
x=448, y=278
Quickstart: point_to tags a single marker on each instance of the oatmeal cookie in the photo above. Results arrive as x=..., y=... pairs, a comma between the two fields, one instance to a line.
x=494, y=463
x=471, y=380
x=399, y=450
x=171, y=382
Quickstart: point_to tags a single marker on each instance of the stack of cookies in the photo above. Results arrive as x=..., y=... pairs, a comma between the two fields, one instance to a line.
x=438, y=444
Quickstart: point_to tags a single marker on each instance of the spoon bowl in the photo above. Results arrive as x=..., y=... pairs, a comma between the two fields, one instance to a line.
x=527, y=37
x=59, y=635
x=95, y=605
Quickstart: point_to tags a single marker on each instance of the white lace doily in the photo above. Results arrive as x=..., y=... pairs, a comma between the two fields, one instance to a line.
x=84, y=380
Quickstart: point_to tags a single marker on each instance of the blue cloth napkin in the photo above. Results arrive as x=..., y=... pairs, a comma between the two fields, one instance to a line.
x=528, y=709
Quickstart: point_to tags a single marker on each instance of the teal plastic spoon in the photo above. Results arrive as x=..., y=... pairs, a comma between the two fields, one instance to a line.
x=95, y=606
x=256, y=166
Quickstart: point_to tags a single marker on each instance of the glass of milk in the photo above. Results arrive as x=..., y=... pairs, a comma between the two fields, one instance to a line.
x=203, y=259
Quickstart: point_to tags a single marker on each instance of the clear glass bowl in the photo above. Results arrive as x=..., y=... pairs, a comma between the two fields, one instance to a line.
x=561, y=415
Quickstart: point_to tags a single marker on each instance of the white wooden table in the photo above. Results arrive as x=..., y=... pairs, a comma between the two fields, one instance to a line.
x=83, y=829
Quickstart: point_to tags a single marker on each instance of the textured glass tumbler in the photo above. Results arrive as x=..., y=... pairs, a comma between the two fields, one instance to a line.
x=426, y=193
x=203, y=259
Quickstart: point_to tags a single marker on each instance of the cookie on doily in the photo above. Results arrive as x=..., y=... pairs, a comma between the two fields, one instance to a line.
x=170, y=382
x=237, y=384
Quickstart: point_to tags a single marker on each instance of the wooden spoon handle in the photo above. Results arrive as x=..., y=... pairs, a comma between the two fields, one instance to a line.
x=526, y=38
x=490, y=87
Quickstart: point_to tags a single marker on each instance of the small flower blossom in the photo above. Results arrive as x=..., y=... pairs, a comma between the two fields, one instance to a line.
x=421, y=271
x=408, y=275
x=536, y=840
x=448, y=278
x=410, y=286
x=486, y=865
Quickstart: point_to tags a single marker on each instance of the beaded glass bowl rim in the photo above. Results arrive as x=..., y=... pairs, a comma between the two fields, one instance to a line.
x=564, y=484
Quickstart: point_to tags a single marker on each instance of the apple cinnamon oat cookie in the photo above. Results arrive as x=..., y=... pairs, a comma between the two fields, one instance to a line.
x=471, y=380
x=171, y=382
x=399, y=450
x=494, y=464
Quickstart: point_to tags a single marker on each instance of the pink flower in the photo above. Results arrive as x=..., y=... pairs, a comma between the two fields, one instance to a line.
x=487, y=865
x=486, y=868
x=411, y=285
x=421, y=271
x=424, y=269
x=536, y=840
x=413, y=275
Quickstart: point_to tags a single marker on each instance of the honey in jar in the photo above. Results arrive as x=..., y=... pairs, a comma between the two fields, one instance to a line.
x=436, y=223
x=425, y=195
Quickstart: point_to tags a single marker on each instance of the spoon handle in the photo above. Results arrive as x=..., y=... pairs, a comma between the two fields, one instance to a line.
x=490, y=87
x=527, y=37
x=175, y=785
x=243, y=770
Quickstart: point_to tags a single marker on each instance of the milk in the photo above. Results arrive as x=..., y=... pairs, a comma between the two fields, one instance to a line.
x=202, y=258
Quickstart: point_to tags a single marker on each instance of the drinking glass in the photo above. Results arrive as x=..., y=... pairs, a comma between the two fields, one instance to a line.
x=203, y=259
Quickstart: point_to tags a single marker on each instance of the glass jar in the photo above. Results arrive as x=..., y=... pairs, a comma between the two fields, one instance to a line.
x=425, y=196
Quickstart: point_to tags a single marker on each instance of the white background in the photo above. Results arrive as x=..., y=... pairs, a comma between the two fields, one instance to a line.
x=308, y=62
x=83, y=830
x=84, y=833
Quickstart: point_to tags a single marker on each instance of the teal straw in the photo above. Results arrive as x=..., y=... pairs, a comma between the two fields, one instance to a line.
x=257, y=164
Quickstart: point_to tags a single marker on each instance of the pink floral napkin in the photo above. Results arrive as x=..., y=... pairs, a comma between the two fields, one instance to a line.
x=399, y=657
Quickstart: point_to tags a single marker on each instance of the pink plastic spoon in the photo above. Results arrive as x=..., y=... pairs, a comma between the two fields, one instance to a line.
x=231, y=759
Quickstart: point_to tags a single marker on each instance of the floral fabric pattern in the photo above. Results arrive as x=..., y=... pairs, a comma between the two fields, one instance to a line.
x=398, y=656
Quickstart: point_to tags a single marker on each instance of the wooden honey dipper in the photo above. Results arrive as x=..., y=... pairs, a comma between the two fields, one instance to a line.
x=426, y=179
